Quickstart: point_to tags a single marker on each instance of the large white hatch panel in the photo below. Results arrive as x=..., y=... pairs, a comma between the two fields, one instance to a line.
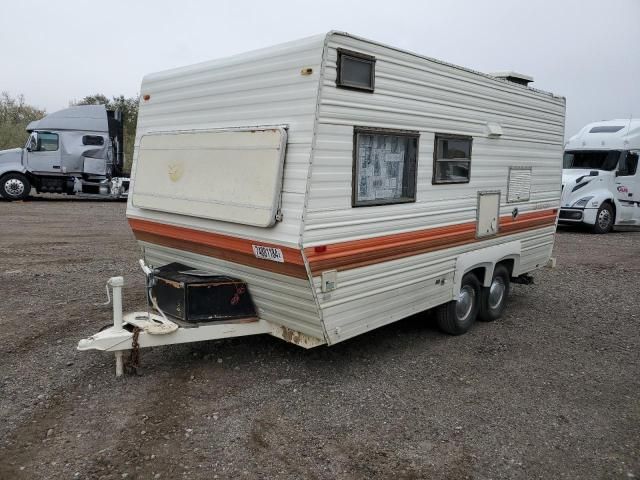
x=233, y=175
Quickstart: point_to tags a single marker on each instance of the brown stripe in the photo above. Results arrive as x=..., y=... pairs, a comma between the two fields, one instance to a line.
x=359, y=253
x=337, y=256
x=224, y=247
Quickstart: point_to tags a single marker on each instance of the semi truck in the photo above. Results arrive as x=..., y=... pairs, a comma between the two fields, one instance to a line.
x=78, y=150
x=600, y=178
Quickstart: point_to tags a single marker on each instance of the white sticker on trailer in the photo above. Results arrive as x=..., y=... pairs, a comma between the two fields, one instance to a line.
x=268, y=253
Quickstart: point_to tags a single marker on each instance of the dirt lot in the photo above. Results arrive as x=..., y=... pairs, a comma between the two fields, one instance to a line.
x=550, y=391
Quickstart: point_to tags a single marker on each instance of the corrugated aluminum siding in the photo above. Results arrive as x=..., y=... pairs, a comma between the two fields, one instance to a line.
x=376, y=295
x=259, y=88
x=280, y=299
x=254, y=89
x=415, y=93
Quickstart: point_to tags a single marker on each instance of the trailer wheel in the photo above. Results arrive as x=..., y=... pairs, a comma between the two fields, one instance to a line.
x=494, y=297
x=15, y=186
x=604, y=219
x=457, y=316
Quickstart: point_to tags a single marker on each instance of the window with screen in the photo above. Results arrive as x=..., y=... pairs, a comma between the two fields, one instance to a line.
x=384, y=167
x=452, y=159
x=356, y=70
x=92, y=140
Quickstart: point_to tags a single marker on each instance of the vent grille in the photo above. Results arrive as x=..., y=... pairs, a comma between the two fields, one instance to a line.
x=519, y=189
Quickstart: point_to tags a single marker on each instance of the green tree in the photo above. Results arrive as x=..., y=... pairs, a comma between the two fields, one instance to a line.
x=15, y=115
x=129, y=108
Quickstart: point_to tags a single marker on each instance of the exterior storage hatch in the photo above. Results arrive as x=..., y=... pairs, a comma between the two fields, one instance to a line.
x=233, y=175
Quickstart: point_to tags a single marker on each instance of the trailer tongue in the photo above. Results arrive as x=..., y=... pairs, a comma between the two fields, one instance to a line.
x=136, y=330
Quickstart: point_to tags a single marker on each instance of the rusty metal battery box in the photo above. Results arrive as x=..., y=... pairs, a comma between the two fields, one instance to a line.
x=195, y=296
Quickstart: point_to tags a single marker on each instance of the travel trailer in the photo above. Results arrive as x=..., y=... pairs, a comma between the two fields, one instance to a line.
x=78, y=150
x=326, y=187
x=600, y=180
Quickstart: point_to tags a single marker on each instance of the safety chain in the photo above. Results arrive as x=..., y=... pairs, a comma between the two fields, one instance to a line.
x=240, y=289
x=134, y=358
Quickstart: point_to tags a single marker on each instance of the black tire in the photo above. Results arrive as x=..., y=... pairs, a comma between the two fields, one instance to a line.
x=454, y=320
x=605, y=219
x=15, y=186
x=492, y=306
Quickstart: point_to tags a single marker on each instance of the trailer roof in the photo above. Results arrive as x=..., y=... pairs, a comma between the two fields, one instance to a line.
x=492, y=77
x=281, y=49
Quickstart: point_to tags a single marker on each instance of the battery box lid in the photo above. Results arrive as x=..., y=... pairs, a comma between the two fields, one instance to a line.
x=177, y=272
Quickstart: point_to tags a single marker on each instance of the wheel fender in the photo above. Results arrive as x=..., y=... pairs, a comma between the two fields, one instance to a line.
x=599, y=197
x=486, y=258
x=12, y=168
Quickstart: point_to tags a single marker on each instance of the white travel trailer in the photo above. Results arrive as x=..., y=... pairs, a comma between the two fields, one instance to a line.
x=600, y=180
x=347, y=184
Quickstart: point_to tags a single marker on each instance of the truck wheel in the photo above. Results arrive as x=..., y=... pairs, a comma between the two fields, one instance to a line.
x=494, y=298
x=15, y=186
x=457, y=316
x=604, y=219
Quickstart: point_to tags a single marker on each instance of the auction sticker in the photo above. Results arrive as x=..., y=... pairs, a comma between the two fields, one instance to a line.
x=268, y=253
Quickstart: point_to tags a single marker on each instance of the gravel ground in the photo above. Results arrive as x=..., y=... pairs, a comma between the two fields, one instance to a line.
x=549, y=391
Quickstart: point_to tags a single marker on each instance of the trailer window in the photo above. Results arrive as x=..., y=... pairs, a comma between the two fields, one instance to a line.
x=92, y=140
x=384, y=167
x=47, y=142
x=355, y=70
x=452, y=159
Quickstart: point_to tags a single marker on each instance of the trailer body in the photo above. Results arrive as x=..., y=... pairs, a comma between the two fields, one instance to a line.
x=349, y=184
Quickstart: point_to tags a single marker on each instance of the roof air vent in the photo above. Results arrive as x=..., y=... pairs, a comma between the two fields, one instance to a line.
x=514, y=77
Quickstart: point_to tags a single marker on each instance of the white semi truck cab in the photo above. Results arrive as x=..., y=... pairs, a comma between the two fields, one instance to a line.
x=78, y=150
x=600, y=177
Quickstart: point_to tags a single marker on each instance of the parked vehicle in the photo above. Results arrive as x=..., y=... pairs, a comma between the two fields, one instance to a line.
x=600, y=180
x=75, y=150
x=341, y=185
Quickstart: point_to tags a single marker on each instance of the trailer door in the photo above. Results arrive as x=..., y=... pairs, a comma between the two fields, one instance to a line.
x=232, y=175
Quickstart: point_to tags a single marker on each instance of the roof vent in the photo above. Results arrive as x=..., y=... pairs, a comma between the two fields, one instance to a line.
x=514, y=77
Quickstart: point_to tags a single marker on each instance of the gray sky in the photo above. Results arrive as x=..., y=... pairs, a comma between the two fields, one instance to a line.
x=586, y=50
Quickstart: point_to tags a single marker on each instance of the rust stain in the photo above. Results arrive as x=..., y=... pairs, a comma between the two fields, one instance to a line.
x=297, y=338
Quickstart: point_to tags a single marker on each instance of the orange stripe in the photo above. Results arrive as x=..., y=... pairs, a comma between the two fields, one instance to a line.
x=358, y=253
x=224, y=247
x=339, y=256
x=236, y=244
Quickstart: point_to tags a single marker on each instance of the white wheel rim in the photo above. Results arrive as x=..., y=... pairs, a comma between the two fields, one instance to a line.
x=604, y=218
x=14, y=187
x=496, y=293
x=465, y=302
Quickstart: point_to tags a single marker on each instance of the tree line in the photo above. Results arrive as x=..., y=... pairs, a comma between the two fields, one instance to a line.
x=16, y=114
